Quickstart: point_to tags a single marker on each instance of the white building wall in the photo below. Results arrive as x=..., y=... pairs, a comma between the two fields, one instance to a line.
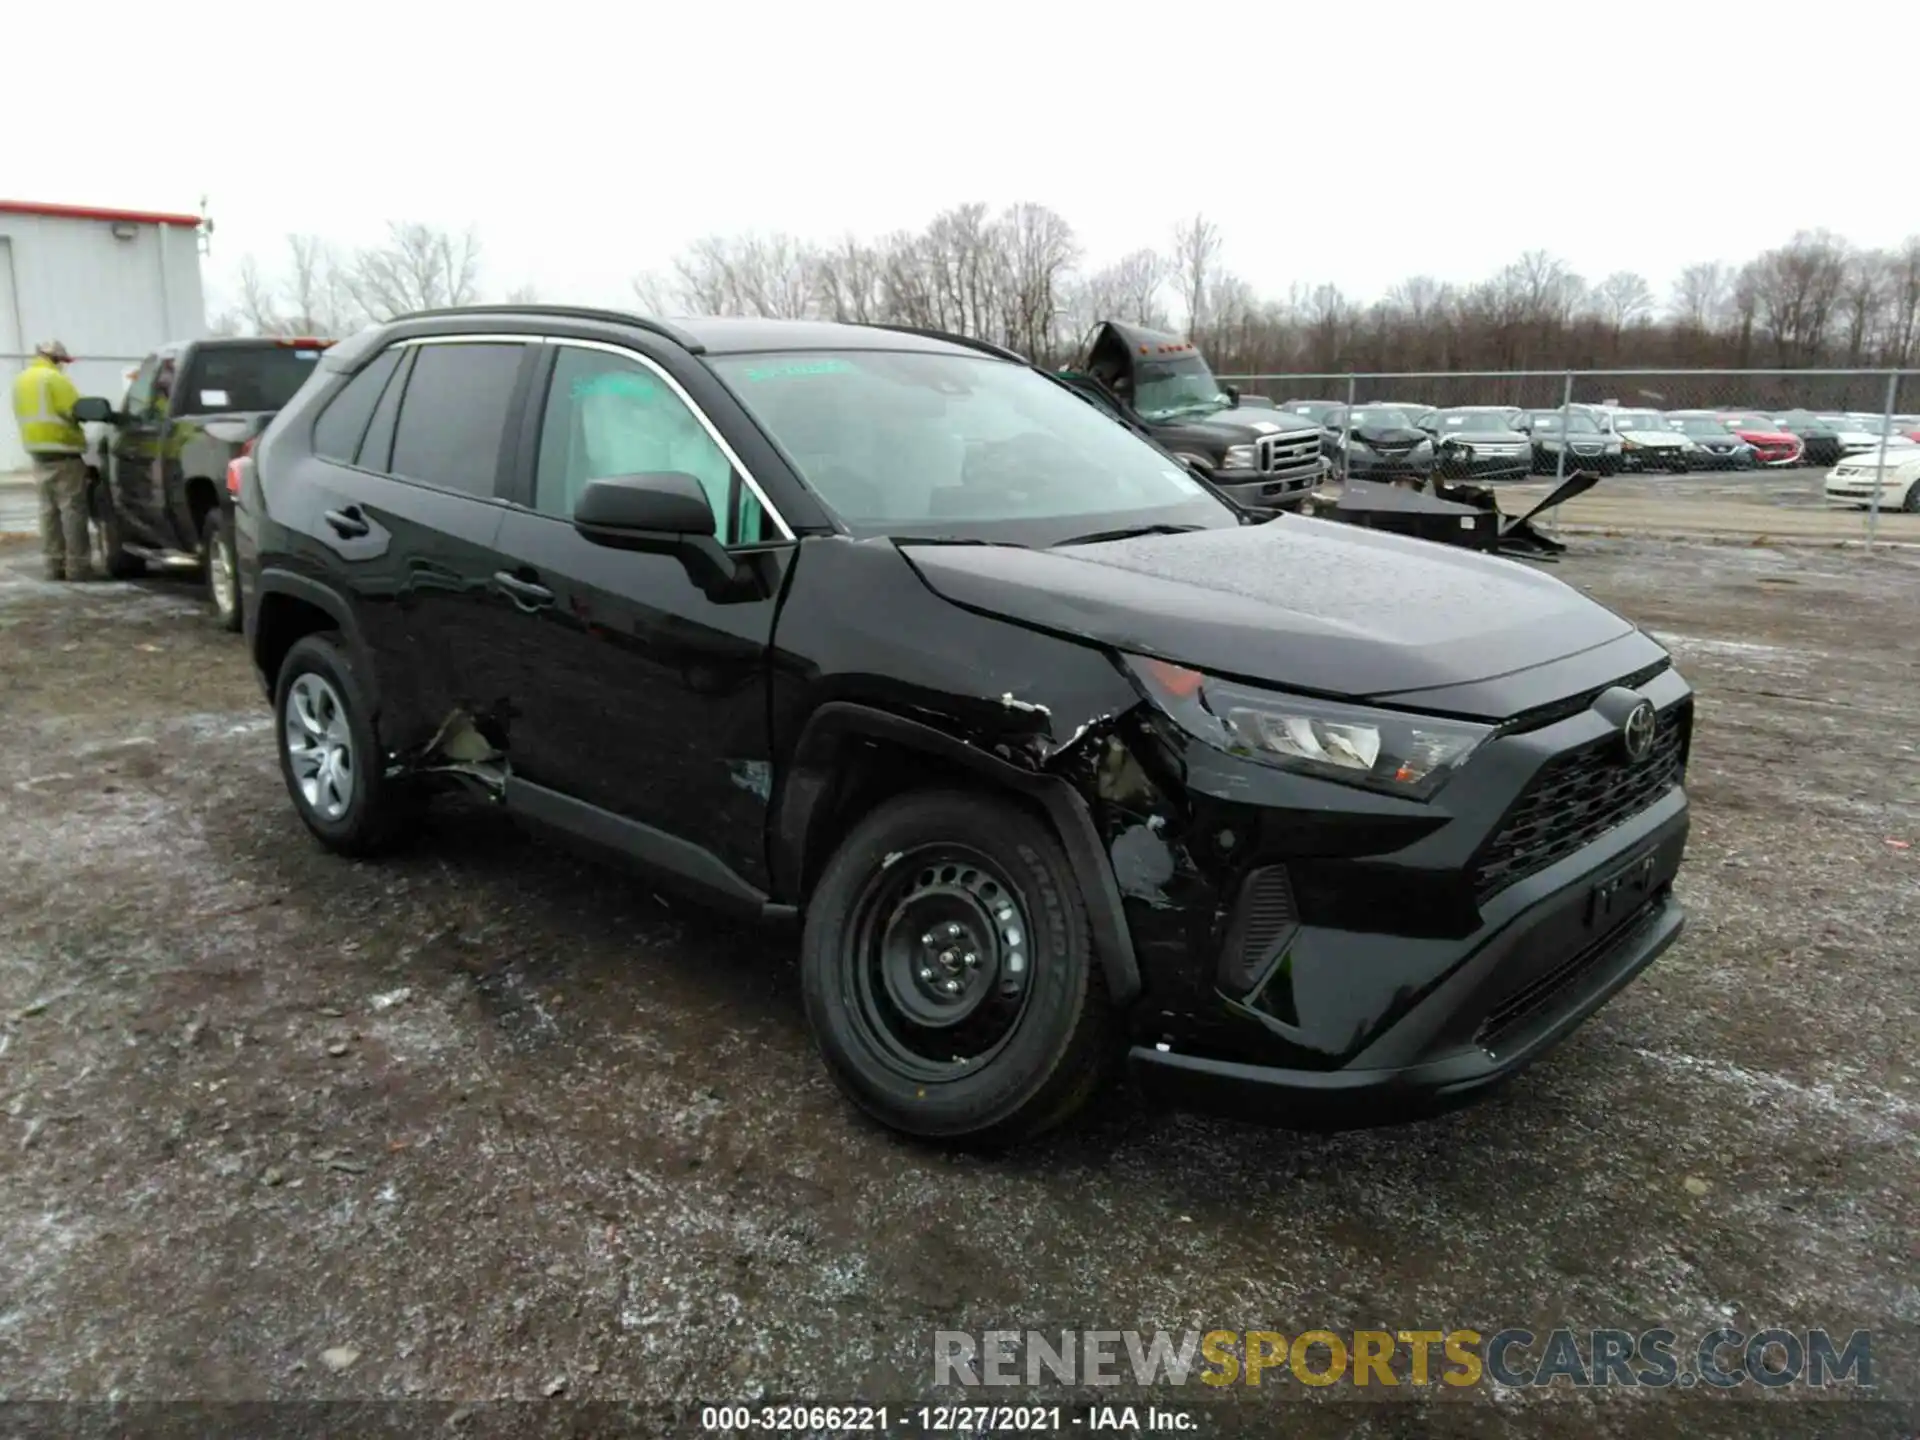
x=110, y=299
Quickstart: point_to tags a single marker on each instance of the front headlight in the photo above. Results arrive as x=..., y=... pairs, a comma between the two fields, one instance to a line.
x=1629, y=444
x=1239, y=457
x=1384, y=750
x=1425, y=447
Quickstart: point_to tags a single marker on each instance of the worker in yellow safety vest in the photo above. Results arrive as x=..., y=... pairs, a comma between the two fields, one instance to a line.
x=43, y=400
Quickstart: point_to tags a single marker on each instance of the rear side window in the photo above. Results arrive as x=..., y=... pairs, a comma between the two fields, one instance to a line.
x=454, y=414
x=338, y=431
x=246, y=377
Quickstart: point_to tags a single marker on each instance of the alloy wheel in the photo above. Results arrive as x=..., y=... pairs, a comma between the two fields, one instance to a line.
x=319, y=746
x=222, y=580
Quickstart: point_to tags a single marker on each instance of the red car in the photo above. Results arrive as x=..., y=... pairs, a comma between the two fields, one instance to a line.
x=1771, y=445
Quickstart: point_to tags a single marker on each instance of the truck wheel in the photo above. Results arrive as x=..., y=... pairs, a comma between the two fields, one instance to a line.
x=330, y=756
x=948, y=971
x=221, y=567
x=106, y=539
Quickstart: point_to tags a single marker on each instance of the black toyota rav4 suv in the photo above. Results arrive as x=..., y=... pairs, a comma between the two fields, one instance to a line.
x=1053, y=753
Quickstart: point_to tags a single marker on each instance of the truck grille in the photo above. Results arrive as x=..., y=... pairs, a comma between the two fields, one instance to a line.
x=1577, y=797
x=1290, y=455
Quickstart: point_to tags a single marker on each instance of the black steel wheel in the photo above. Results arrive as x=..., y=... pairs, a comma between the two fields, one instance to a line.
x=949, y=973
x=943, y=960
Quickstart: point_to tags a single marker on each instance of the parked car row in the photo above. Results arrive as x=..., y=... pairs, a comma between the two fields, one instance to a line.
x=888, y=637
x=1389, y=440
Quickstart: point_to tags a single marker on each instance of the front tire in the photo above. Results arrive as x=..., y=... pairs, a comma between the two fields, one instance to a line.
x=330, y=756
x=221, y=567
x=107, y=539
x=949, y=974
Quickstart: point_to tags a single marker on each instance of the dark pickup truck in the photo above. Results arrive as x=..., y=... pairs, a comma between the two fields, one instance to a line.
x=159, y=471
x=1261, y=457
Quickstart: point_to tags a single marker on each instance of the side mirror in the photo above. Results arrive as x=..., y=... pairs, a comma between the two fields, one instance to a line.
x=94, y=409
x=664, y=512
x=1232, y=392
x=655, y=511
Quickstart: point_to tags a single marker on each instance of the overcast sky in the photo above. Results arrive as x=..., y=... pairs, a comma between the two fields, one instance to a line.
x=1358, y=144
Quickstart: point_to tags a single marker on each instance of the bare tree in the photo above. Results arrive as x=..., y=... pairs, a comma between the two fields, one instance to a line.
x=851, y=280
x=258, y=312
x=419, y=268
x=1622, y=299
x=1196, y=250
x=1040, y=250
x=1700, y=294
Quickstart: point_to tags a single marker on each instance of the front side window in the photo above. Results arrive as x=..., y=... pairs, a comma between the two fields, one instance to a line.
x=454, y=415
x=140, y=392
x=610, y=415
x=922, y=443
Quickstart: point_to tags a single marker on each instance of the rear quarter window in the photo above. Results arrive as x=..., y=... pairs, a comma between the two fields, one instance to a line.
x=343, y=423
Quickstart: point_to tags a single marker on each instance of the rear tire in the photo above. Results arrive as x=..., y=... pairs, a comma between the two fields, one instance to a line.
x=1911, y=504
x=221, y=568
x=330, y=756
x=107, y=539
x=949, y=974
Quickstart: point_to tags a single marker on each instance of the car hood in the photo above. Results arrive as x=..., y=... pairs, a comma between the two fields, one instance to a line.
x=1484, y=437
x=1393, y=436
x=1302, y=604
x=1903, y=459
x=1755, y=435
x=1667, y=439
x=1238, y=426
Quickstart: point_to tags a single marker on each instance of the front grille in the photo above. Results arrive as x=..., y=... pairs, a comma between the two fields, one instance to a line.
x=1286, y=455
x=1577, y=797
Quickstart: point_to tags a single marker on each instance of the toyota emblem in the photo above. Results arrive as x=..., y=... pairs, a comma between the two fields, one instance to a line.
x=1636, y=732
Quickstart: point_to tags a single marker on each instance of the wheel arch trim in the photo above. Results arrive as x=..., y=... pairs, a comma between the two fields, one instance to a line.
x=276, y=581
x=810, y=783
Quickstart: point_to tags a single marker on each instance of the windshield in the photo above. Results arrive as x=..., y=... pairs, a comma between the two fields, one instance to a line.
x=1639, y=420
x=1577, y=424
x=247, y=377
x=1751, y=422
x=1381, y=417
x=1164, y=388
x=964, y=446
x=1321, y=412
x=1472, y=420
x=1701, y=425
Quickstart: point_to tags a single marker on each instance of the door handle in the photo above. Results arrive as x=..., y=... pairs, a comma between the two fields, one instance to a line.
x=348, y=524
x=524, y=593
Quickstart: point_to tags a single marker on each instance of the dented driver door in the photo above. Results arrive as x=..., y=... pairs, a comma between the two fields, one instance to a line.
x=630, y=689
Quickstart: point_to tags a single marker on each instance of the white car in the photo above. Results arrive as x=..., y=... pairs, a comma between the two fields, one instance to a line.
x=1858, y=436
x=1851, y=481
x=1649, y=442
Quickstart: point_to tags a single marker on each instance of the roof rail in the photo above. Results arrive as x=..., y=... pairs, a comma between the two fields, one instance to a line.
x=967, y=341
x=568, y=312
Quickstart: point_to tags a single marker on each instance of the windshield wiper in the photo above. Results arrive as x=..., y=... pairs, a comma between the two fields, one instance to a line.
x=1125, y=532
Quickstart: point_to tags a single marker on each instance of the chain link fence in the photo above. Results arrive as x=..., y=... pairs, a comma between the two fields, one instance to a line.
x=1815, y=448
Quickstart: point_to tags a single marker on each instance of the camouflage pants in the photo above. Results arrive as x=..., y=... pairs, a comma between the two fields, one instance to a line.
x=62, y=482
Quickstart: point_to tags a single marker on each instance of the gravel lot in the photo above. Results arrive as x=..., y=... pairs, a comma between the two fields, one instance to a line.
x=500, y=1122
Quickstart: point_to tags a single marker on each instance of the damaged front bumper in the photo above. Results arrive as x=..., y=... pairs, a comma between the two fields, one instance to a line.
x=1316, y=956
x=1514, y=991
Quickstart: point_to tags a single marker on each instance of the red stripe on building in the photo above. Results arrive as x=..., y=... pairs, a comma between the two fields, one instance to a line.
x=90, y=212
